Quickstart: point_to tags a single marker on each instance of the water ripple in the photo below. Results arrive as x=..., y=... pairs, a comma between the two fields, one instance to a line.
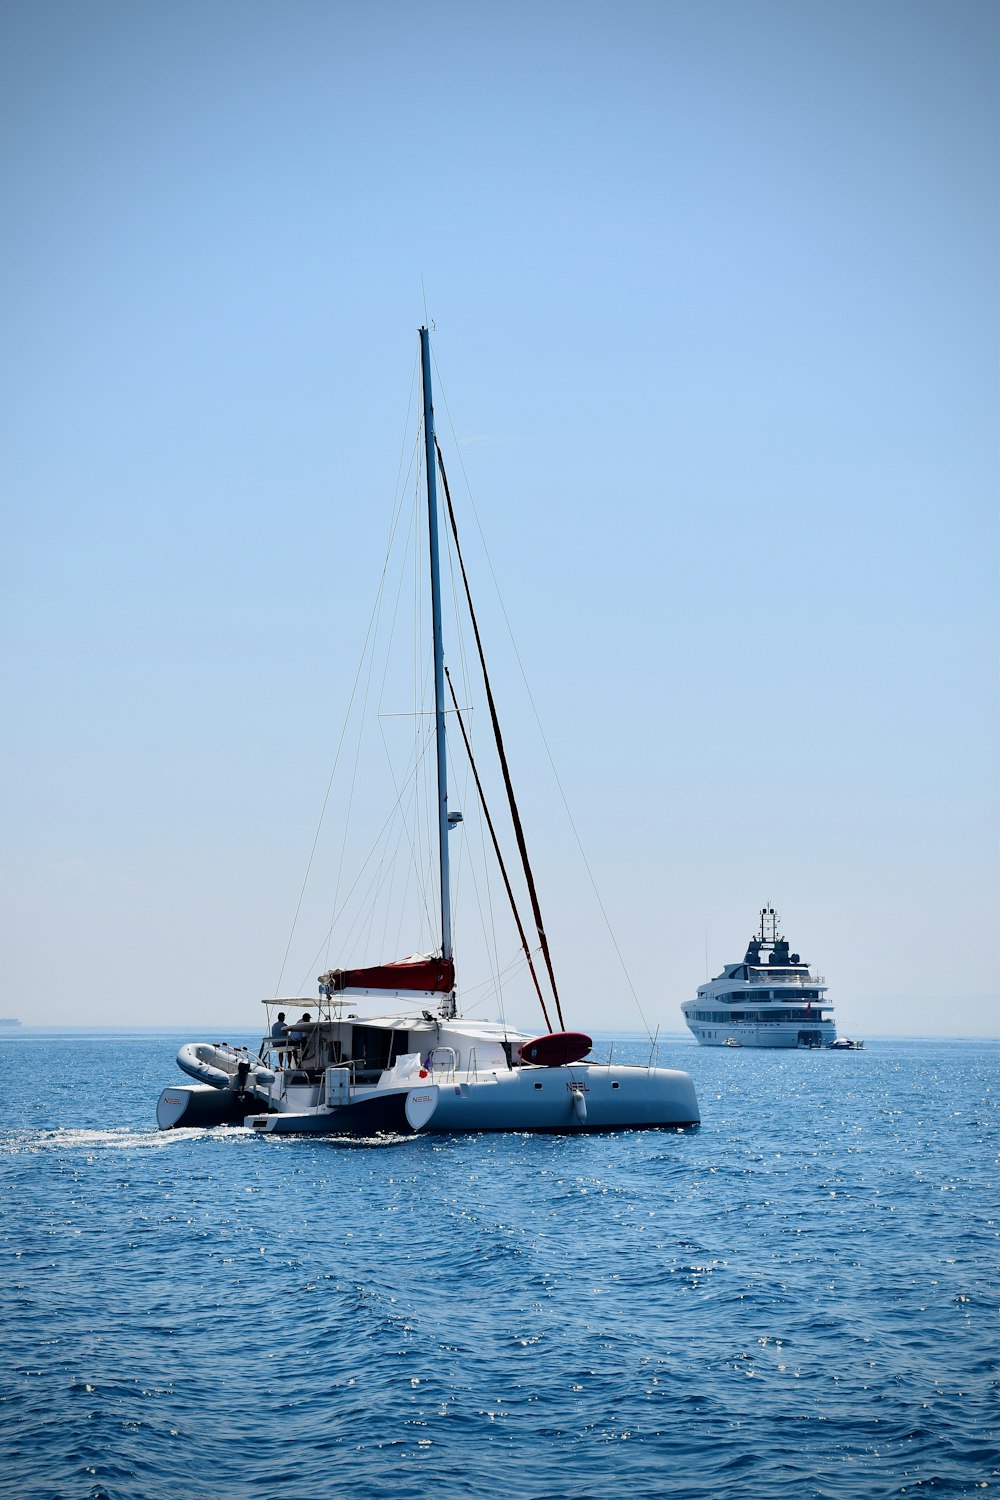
x=798, y=1300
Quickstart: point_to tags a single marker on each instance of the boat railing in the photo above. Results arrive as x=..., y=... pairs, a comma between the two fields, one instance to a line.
x=785, y=979
x=276, y=1052
x=281, y=1051
x=448, y=1065
x=472, y=1067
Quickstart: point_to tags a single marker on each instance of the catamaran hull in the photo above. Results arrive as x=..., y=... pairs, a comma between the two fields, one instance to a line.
x=565, y=1099
x=527, y=1099
x=396, y=1112
x=201, y=1105
x=569, y=1099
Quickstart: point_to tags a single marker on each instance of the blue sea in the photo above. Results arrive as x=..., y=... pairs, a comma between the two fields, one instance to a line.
x=798, y=1298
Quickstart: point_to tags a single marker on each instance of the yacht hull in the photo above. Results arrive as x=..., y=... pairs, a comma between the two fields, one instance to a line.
x=774, y=1038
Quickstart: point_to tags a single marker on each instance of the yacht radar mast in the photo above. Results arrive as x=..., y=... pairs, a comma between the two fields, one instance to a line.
x=769, y=917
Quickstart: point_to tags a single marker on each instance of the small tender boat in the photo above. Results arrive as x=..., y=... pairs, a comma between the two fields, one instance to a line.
x=845, y=1044
x=415, y=1063
x=770, y=999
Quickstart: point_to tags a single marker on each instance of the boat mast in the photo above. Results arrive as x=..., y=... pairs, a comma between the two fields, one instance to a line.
x=442, y=767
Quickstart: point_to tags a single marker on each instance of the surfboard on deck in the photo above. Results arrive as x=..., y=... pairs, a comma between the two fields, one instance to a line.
x=556, y=1049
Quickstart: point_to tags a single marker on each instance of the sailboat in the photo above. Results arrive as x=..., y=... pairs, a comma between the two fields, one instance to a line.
x=413, y=1063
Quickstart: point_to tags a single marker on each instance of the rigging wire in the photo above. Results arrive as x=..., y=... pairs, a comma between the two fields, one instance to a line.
x=368, y=683
x=372, y=624
x=490, y=935
x=534, y=708
x=500, y=859
x=371, y=855
x=417, y=777
x=479, y=994
x=418, y=751
x=512, y=802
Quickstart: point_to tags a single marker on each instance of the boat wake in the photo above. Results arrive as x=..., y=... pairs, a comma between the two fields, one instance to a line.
x=71, y=1139
x=35, y=1142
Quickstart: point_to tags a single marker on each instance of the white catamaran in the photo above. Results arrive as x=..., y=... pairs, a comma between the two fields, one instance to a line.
x=413, y=1062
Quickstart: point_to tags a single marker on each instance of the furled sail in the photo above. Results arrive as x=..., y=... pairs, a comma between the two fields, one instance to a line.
x=421, y=971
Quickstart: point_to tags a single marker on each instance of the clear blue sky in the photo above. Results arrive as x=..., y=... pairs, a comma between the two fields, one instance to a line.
x=716, y=302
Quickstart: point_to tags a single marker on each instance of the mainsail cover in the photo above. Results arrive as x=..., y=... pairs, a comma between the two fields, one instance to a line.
x=421, y=971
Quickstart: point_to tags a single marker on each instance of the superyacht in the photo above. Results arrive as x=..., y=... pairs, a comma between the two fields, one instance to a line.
x=769, y=999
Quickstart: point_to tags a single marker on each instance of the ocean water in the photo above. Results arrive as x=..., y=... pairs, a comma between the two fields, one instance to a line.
x=799, y=1298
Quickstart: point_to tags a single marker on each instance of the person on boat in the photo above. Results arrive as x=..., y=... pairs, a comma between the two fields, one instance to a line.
x=299, y=1038
x=279, y=1031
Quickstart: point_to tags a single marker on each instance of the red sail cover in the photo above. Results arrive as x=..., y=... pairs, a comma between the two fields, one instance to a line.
x=421, y=972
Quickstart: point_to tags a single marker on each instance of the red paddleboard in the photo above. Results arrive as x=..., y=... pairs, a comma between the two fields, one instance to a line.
x=556, y=1049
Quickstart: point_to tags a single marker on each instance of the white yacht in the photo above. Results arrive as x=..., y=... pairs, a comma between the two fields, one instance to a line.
x=416, y=1063
x=769, y=999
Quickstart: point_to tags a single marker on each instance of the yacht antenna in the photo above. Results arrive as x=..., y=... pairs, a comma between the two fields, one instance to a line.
x=442, y=768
